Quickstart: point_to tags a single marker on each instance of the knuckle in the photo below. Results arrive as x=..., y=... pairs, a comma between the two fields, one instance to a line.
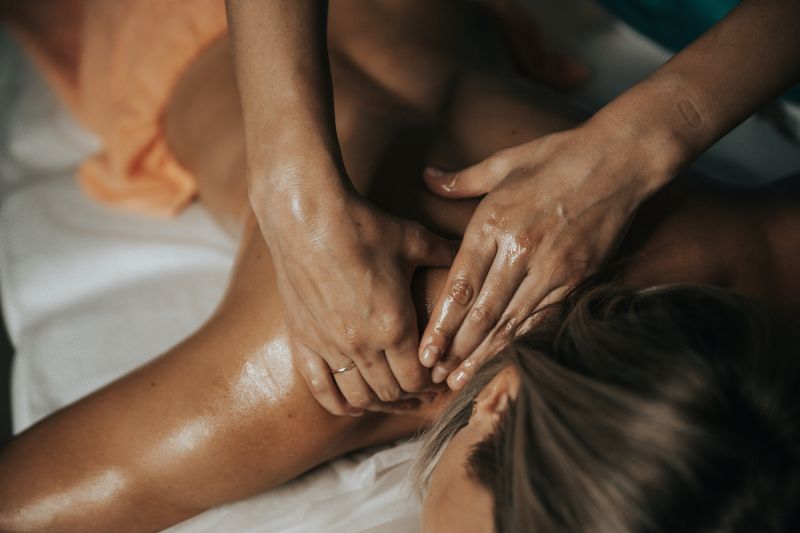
x=416, y=244
x=360, y=401
x=474, y=239
x=499, y=163
x=389, y=393
x=574, y=261
x=443, y=333
x=519, y=245
x=350, y=338
x=506, y=328
x=395, y=340
x=416, y=231
x=318, y=386
x=396, y=336
x=394, y=328
x=481, y=316
x=415, y=384
x=494, y=220
x=461, y=291
x=413, y=377
x=470, y=365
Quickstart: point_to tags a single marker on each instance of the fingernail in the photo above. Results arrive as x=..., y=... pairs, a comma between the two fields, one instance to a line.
x=430, y=355
x=452, y=185
x=457, y=380
x=438, y=374
x=355, y=413
x=434, y=172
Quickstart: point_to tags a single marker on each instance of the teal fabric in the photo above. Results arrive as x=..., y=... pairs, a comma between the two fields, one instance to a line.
x=676, y=23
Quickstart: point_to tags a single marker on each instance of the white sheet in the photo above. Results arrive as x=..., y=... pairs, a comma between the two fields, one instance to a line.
x=90, y=293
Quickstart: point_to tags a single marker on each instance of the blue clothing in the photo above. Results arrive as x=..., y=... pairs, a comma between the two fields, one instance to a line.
x=676, y=23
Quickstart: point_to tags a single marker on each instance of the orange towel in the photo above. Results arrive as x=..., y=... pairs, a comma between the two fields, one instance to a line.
x=114, y=63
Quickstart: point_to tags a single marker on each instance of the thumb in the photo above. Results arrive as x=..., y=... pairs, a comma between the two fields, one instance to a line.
x=468, y=183
x=425, y=248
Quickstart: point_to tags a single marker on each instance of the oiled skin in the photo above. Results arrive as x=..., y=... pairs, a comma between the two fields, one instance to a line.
x=225, y=414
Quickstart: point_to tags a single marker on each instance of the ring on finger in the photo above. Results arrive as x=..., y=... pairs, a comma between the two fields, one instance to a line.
x=349, y=366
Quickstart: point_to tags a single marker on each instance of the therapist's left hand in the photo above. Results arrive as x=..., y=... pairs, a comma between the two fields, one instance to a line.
x=554, y=211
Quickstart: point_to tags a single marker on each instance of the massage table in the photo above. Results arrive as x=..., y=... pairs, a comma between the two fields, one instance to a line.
x=89, y=293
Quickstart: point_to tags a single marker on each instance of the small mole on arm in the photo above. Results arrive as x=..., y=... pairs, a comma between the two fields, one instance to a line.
x=690, y=114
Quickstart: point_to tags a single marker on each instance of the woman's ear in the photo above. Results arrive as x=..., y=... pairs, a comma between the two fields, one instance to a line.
x=494, y=398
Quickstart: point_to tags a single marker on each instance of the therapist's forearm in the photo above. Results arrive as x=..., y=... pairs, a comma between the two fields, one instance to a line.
x=749, y=58
x=284, y=82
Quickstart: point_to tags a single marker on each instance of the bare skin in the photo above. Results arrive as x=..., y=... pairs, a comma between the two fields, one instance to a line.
x=555, y=210
x=324, y=238
x=225, y=413
x=557, y=206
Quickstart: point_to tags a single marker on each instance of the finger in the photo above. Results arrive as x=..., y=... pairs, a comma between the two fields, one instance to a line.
x=502, y=282
x=320, y=382
x=555, y=297
x=467, y=183
x=539, y=314
x=520, y=311
x=456, y=298
x=457, y=379
x=404, y=363
x=520, y=308
x=425, y=248
x=356, y=391
x=374, y=368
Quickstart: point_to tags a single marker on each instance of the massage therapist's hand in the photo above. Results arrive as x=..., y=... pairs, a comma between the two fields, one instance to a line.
x=343, y=268
x=555, y=208
x=344, y=274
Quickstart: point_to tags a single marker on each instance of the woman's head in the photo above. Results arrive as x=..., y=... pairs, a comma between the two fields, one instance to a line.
x=668, y=409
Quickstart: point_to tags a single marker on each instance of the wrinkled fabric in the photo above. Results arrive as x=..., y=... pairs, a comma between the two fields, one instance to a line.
x=114, y=63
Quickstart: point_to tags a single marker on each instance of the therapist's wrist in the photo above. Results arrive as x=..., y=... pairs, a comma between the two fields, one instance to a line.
x=645, y=133
x=297, y=159
x=675, y=118
x=297, y=190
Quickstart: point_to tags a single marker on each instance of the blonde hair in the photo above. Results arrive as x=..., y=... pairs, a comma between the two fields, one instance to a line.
x=670, y=409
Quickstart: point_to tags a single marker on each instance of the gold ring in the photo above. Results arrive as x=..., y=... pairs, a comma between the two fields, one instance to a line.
x=350, y=366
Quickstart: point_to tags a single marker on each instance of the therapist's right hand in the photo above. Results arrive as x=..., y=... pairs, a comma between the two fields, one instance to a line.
x=344, y=274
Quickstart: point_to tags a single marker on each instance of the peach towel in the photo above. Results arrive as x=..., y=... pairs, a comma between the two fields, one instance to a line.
x=114, y=63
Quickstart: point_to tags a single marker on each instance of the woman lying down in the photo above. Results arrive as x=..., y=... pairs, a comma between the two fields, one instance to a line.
x=638, y=404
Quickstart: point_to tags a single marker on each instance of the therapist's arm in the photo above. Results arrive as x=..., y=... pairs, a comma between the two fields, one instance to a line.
x=747, y=59
x=285, y=87
x=557, y=206
x=343, y=267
